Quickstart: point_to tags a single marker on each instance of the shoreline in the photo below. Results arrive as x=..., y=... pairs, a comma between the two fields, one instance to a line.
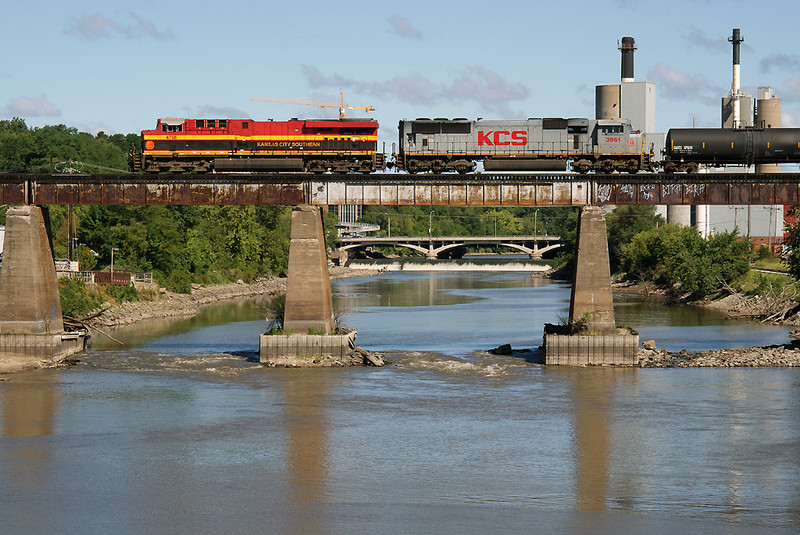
x=175, y=305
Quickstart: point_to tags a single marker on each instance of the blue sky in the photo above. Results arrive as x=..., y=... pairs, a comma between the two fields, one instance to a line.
x=118, y=66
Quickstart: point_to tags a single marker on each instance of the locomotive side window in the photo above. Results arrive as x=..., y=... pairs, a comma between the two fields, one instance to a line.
x=200, y=123
x=211, y=123
x=245, y=125
x=456, y=128
x=171, y=127
x=223, y=123
x=420, y=127
x=554, y=124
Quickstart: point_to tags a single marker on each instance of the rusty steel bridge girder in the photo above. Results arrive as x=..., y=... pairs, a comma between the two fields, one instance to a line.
x=400, y=189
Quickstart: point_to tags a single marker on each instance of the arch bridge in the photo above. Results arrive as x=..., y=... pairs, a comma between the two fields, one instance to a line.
x=452, y=246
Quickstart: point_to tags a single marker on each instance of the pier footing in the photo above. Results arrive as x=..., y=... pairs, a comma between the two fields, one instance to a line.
x=44, y=347
x=591, y=349
x=302, y=350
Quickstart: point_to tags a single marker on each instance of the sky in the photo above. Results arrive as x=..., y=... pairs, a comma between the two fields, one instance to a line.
x=118, y=66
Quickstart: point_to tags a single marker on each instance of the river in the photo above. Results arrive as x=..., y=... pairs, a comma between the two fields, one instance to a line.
x=182, y=431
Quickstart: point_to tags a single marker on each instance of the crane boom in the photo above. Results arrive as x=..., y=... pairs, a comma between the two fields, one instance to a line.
x=301, y=102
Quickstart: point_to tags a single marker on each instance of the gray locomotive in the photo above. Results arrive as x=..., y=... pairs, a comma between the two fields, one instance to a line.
x=688, y=147
x=548, y=144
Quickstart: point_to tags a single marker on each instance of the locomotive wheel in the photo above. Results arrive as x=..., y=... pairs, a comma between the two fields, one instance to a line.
x=581, y=166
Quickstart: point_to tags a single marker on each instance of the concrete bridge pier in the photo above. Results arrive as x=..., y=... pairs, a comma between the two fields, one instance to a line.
x=309, y=305
x=31, y=325
x=591, y=302
x=308, y=287
x=592, y=337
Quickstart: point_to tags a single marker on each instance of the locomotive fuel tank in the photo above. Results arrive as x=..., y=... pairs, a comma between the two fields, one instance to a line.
x=726, y=146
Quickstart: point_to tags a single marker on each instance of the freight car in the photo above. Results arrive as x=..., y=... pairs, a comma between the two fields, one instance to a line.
x=547, y=144
x=686, y=148
x=230, y=145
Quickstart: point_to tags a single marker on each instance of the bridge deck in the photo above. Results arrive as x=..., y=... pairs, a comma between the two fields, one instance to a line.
x=401, y=189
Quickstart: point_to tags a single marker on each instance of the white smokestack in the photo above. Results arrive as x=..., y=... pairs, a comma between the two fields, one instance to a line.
x=736, y=85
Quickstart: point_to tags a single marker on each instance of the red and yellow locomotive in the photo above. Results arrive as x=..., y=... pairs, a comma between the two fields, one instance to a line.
x=179, y=145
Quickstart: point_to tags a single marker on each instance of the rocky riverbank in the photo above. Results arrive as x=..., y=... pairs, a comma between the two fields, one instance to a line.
x=787, y=355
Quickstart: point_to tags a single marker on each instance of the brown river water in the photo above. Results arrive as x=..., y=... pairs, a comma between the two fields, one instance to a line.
x=182, y=431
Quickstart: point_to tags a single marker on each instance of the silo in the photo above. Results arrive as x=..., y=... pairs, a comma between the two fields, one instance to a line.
x=607, y=101
x=768, y=115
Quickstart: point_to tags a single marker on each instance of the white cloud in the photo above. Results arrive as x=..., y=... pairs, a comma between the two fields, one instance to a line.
x=680, y=85
x=476, y=83
x=220, y=112
x=784, y=62
x=402, y=27
x=32, y=107
x=97, y=26
x=790, y=119
x=698, y=38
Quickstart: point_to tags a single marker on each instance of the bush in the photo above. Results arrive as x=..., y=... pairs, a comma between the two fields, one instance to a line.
x=673, y=255
x=76, y=299
x=122, y=293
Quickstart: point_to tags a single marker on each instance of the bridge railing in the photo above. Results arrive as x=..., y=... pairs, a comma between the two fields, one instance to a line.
x=120, y=278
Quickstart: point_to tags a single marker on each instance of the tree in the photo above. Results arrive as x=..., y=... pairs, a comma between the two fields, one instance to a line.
x=674, y=255
x=791, y=242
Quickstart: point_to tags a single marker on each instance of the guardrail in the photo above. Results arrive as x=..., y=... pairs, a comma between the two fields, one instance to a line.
x=121, y=278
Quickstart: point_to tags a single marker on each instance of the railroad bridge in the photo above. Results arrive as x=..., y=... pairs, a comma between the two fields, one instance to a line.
x=398, y=189
x=29, y=303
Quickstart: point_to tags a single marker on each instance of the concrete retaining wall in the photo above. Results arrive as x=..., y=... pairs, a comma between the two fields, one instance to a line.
x=276, y=346
x=41, y=346
x=591, y=350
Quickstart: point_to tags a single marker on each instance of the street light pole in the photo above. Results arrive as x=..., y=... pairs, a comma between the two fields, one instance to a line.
x=430, y=225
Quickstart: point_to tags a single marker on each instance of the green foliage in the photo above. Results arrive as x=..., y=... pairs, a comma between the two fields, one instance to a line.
x=87, y=258
x=317, y=331
x=122, y=293
x=76, y=300
x=672, y=255
x=757, y=283
x=623, y=224
x=276, y=310
x=39, y=150
x=791, y=242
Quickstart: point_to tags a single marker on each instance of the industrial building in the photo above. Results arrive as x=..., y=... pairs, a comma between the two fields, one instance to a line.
x=636, y=101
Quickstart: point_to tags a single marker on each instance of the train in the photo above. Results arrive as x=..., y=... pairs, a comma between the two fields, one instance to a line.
x=178, y=145
x=441, y=145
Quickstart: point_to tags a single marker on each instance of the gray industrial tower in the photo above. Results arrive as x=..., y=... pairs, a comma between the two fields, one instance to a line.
x=629, y=99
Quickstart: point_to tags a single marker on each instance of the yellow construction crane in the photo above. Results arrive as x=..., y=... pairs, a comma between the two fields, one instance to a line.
x=341, y=105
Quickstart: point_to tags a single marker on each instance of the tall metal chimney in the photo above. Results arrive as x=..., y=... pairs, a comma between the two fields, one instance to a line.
x=627, y=48
x=736, y=85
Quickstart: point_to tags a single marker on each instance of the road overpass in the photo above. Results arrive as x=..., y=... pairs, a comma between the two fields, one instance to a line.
x=398, y=189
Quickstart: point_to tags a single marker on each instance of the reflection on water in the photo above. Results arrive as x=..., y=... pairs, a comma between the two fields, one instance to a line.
x=185, y=432
x=168, y=331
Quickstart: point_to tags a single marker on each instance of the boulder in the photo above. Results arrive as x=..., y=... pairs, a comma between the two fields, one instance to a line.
x=504, y=349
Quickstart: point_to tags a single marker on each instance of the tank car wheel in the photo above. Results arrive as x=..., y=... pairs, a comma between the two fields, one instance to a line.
x=691, y=168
